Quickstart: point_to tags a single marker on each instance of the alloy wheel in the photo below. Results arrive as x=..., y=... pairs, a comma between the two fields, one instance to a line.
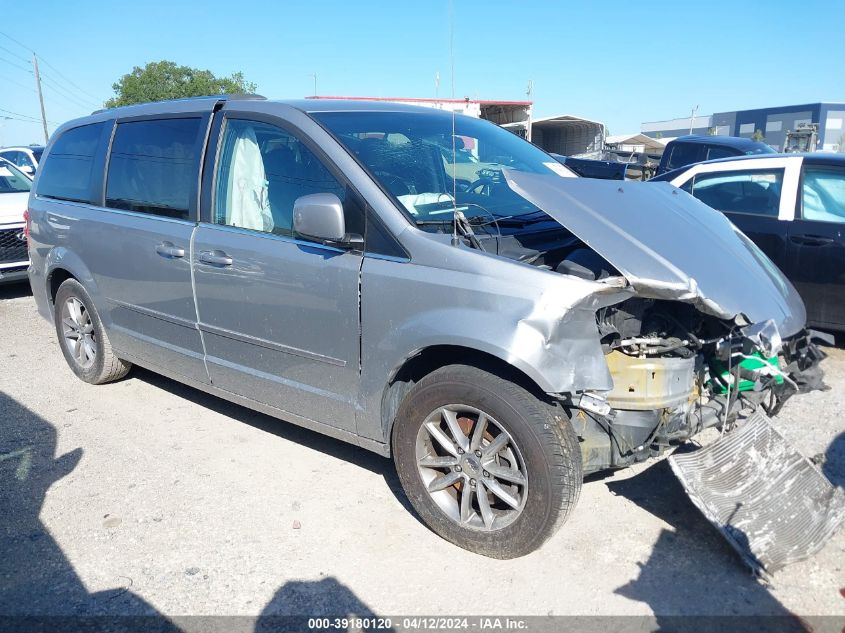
x=471, y=467
x=78, y=332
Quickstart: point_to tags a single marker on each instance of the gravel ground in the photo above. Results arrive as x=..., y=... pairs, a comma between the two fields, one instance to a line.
x=146, y=496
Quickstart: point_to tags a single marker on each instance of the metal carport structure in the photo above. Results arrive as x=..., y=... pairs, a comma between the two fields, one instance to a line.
x=567, y=134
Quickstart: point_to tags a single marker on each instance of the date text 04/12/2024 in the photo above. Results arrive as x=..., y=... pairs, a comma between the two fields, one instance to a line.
x=419, y=623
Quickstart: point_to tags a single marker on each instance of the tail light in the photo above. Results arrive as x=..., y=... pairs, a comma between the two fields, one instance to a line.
x=26, y=226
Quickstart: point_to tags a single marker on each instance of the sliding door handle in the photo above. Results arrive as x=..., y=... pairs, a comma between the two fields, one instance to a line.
x=215, y=258
x=168, y=249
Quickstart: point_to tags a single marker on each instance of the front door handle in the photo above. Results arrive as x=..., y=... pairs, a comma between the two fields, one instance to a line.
x=168, y=249
x=811, y=240
x=215, y=258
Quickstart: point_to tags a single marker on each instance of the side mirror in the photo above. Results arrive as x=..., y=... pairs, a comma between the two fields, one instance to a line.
x=319, y=217
x=27, y=169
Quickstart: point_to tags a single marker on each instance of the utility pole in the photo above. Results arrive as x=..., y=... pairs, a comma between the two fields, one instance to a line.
x=529, y=93
x=40, y=97
x=314, y=75
x=692, y=118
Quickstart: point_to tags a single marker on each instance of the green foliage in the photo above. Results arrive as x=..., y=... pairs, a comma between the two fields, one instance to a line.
x=758, y=135
x=158, y=81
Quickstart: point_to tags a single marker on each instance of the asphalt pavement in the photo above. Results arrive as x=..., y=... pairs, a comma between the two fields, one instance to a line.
x=146, y=496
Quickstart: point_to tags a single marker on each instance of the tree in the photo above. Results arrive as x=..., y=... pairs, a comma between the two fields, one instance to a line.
x=158, y=81
x=758, y=135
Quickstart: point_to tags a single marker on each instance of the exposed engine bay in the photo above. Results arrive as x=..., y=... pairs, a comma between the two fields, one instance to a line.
x=676, y=370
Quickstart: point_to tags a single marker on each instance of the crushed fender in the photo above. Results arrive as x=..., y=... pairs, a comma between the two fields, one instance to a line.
x=766, y=498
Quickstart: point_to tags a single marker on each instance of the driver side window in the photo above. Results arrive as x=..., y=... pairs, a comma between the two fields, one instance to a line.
x=262, y=170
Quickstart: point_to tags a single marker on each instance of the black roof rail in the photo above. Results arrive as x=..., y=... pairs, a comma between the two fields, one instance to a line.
x=221, y=97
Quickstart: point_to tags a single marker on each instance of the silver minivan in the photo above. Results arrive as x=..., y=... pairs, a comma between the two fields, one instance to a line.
x=425, y=285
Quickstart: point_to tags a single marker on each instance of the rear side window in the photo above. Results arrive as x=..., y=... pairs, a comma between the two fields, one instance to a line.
x=685, y=154
x=753, y=191
x=66, y=175
x=154, y=166
x=715, y=152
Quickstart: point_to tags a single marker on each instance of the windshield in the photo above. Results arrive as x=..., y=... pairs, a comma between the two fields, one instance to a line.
x=12, y=180
x=433, y=165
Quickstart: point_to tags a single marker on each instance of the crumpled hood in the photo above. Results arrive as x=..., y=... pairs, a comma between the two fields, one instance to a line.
x=668, y=245
x=12, y=206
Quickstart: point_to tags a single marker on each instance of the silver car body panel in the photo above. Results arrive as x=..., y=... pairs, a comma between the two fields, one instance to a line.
x=669, y=246
x=280, y=323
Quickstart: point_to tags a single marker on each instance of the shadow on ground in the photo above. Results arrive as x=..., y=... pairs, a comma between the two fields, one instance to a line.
x=291, y=432
x=326, y=598
x=38, y=581
x=692, y=570
x=15, y=290
x=36, y=577
x=834, y=461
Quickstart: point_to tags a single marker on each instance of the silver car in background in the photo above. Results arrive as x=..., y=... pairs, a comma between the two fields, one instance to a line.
x=494, y=325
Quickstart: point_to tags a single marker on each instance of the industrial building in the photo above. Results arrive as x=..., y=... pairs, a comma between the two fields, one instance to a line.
x=772, y=124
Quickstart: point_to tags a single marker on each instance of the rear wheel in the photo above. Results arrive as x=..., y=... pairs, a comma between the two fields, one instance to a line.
x=486, y=464
x=83, y=339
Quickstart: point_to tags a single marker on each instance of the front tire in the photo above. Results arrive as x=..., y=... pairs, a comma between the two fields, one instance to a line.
x=83, y=339
x=486, y=464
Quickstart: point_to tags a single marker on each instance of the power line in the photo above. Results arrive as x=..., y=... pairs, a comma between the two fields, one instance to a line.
x=65, y=101
x=49, y=65
x=14, y=118
x=20, y=85
x=19, y=114
x=16, y=65
x=50, y=80
x=68, y=81
x=14, y=54
x=66, y=104
x=67, y=95
x=25, y=117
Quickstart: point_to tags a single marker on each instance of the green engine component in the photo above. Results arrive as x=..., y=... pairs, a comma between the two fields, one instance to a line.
x=720, y=378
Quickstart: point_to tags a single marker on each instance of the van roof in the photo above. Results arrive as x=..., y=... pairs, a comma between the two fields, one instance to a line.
x=305, y=105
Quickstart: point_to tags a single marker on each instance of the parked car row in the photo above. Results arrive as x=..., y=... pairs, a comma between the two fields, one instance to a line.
x=26, y=158
x=318, y=261
x=14, y=193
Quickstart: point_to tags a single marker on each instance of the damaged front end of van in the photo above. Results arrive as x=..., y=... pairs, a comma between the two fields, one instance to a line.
x=697, y=329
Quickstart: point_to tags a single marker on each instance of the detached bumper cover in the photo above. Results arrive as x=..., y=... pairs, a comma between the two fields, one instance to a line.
x=767, y=499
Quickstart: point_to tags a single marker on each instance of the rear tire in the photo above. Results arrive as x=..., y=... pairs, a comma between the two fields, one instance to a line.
x=525, y=461
x=83, y=339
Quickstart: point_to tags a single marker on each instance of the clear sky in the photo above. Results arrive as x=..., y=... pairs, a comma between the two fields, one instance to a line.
x=619, y=62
